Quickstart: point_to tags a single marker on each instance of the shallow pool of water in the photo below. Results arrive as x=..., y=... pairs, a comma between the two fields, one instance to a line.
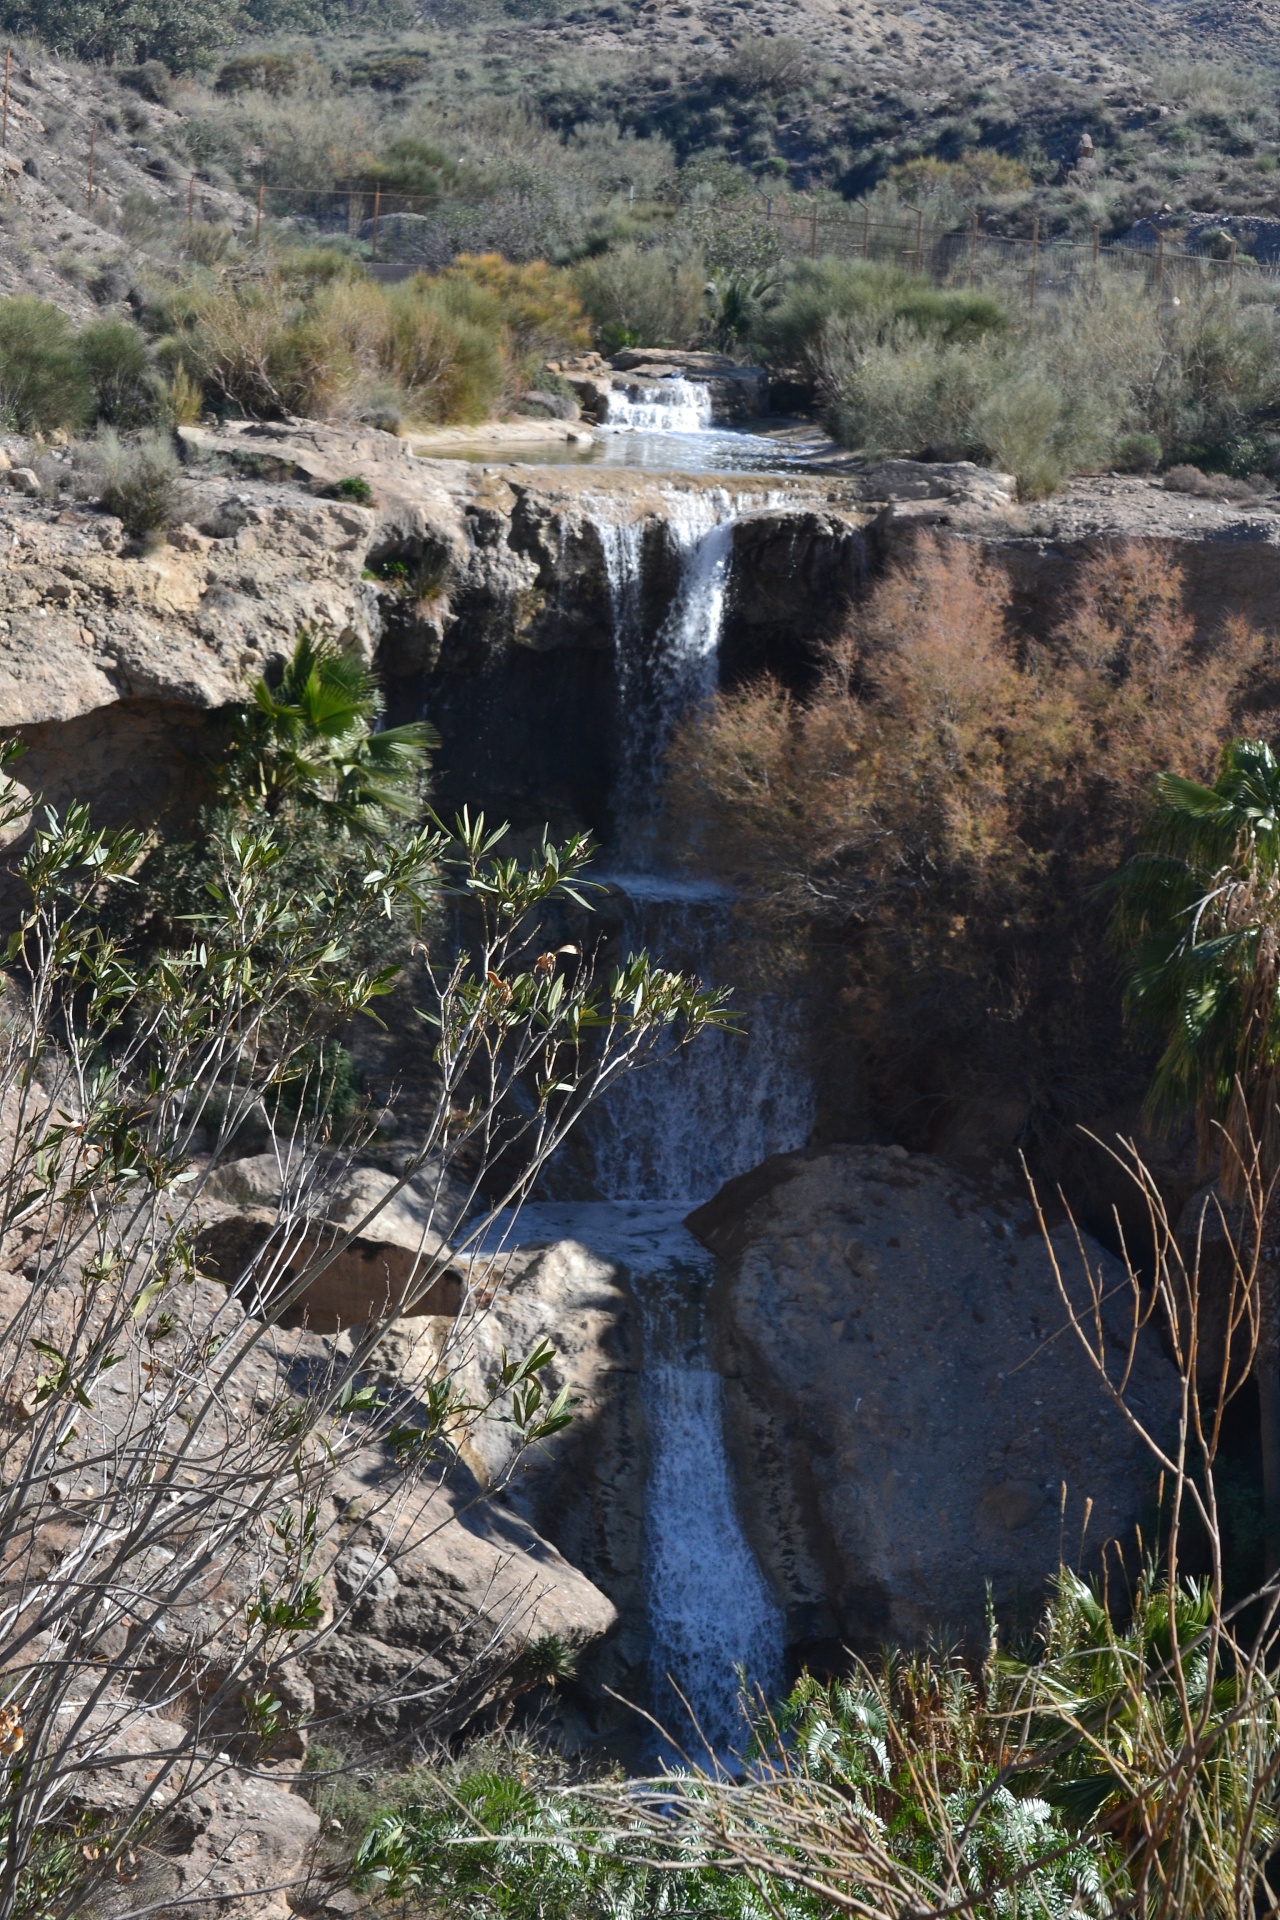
x=712, y=450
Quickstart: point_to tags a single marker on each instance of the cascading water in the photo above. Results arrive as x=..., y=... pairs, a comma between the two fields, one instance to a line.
x=671, y=405
x=668, y=1137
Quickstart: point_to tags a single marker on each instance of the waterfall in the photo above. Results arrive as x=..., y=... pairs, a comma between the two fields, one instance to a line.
x=661, y=676
x=710, y=1610
x=672, y=1134
x=670, y=405
x=667, y=1137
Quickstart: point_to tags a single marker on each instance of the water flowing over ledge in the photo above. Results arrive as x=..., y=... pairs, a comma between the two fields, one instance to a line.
x=669, y=1137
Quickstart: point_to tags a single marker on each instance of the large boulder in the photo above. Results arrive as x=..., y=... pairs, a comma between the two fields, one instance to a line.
x=436, y=1592
x=905, y=1402
x=401, y=1258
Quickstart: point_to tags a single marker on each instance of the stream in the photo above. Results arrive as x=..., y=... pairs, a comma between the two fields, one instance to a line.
x=667, y=1138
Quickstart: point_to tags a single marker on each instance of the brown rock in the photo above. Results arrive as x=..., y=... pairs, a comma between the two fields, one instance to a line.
x=905, y=1399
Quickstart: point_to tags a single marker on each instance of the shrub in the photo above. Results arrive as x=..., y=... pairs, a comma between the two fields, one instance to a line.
x=416, y=170
x=310, y=337
x=938, y=810
x=870, y=304
x=152, y=80
x=1138, y=453
x=43, y=383
x=353, y=487
x=902, y=395
x=536, y=305
x=273, y=73
x=140, y=482
x=115, y=358
x=639, y=296
x=774, y=65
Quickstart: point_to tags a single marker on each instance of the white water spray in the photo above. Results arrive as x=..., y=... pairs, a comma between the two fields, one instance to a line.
x=671, y=405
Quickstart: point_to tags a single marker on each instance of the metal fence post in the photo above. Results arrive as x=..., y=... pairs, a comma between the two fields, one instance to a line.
x=1231, y=268
x=919, y=239
x=93, y=146
x=4, y=129
x=1160, y=267
x=191, y=200
x=813, y=233
x=1035, y=259
x=257, y=225
x=377, y=210
x=866, y=231
x=973, y=246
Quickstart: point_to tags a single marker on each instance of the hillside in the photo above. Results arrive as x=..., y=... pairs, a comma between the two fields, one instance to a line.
x=576, y=110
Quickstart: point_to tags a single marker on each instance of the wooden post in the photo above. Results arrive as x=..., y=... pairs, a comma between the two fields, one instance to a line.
x=1035, y=259
x=919, y=239
x=4, y=128
x=866, y=230
x=813, y=234
x=377, y=208
x=973, y=246
x=257, y=225
x=93, y=144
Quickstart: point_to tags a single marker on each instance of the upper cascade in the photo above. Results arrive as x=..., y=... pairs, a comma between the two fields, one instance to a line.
x=670, y=405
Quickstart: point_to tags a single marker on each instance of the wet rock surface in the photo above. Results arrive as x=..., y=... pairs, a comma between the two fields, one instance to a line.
x=904, y=1399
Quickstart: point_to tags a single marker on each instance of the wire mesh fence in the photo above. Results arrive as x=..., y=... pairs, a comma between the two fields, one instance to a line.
x=396, y=228
x=967, y=255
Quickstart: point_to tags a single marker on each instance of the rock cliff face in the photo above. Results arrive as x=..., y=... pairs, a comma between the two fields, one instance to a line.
x=902, y=1401
x=484, y=593
x=489, y=596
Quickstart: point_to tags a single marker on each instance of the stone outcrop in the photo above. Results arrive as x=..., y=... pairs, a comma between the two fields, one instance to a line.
x=428, y=1589
x=399, y=1260
x=487, y=595
x=904, y=1400
x=583, y=1488
x=110, y=660
x=232, y=1835
x=483, y=593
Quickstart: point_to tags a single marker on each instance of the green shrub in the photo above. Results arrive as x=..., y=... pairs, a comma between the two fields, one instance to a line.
x=125, y=387
x=872, y=304
x=140, y=482
x=353, y=487
x=903, y=394
x=43, y=382
x=647, y=297
x=1138, y=453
